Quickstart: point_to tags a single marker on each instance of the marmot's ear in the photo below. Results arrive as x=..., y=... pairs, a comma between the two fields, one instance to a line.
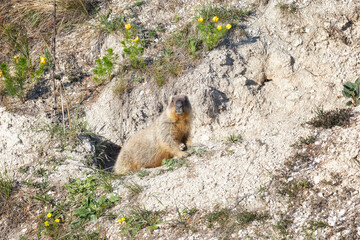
x=171, y=99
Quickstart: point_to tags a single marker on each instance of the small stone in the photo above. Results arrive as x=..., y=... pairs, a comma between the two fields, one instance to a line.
x=316, y=179
x=298, y=42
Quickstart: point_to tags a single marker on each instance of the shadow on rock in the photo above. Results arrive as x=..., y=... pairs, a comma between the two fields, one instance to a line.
x=40, y=89
x=106, y=153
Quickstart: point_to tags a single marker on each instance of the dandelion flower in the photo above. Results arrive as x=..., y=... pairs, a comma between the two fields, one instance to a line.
x=215, y=19
x=121, y=220
x=42, y=60
x=57, y=220
x=219, y=28
x=136, y=39
x=1, y=73
x=46, y=223
x=228, y=26
x=16, y=58
x=49, y=215
x=200, y=19
x=127, y=26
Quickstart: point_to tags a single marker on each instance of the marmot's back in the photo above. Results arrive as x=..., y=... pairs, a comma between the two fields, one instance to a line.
x=160, y=140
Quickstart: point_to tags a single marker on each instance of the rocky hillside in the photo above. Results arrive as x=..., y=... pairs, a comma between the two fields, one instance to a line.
x=275, y=150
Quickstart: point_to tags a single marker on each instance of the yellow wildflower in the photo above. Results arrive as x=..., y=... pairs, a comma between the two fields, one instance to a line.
x=16, y=58
x=136, y=39
x=215, y=19
x=49, y=215
x=42, y=60
x=228, y=26
x=46, y=223
x=1, y=74
x=219, y=28
x=200, y=19
x=127, y=26
x=57, y=220
x=121, y=220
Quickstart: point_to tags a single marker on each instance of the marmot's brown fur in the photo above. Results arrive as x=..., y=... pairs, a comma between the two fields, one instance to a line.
x=161, y=140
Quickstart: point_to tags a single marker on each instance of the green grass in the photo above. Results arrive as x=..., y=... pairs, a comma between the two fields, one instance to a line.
x=111, y=23
x=6, y=186
x=134, y=188
x=231, y=15
x=229, y=220
x=304, y=141
x=173, y=163
x=140, y=218
x=82, y=203
x=185, y=215
x=142, y=173
x=282, y=226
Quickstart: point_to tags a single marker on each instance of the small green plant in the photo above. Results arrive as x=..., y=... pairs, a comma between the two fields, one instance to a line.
x=352, y=90
x=92, y=208
x=14, y=83
x=133, y=47
x=199, y=152
x=211, y=32
x=235, y=138
x=173, y=163
x=105, y=66
x=78, y=188
x=186, y=40
x=138, y=3
x=304, y=141
x=16, y=79
x=142, y=173
x=287, y=8
x=262, y=192
x=140, y=218
x=42, y=172
x=83, y=194
x=329, y=119
x=6, y=186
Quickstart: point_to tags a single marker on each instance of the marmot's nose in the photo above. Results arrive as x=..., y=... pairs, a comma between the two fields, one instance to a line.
x=179, y=105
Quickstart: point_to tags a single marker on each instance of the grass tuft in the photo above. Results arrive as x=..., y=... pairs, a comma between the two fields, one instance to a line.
x=140, y=218
x=6, y=186
x=329, y=119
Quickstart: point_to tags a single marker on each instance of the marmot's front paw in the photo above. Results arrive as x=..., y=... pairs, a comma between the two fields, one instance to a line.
x=182, y=147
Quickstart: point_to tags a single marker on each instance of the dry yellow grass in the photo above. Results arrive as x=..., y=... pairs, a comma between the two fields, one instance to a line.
x=34, y=19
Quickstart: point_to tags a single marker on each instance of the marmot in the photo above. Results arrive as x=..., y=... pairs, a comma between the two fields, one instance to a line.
x=161, y=140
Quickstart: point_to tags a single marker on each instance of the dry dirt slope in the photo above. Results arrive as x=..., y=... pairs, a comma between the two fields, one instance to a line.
x=263, y=87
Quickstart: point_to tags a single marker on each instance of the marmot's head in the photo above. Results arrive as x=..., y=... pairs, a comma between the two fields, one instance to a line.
x=180, y=104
